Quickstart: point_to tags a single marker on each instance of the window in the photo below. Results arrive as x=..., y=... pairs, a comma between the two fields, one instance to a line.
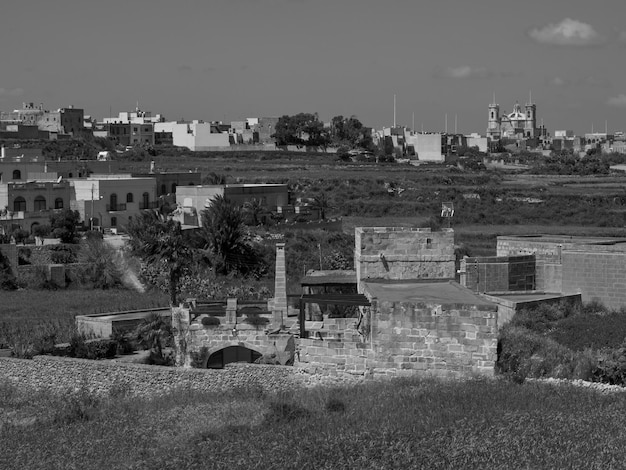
x=17, y=175
x=146, y=200
x=19, y=204
x=113, y=202
x=58, y=203
x=163, y=189
x=113, y=221
x=173, y=188
x=40, y=203
x=129, y=197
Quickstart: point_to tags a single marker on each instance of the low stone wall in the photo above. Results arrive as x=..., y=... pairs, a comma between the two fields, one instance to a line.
x=60, y=374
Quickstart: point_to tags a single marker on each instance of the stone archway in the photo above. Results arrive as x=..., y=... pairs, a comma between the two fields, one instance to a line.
x=230, y=354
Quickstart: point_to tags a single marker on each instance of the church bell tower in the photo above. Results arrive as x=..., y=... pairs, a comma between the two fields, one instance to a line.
x=493, y=123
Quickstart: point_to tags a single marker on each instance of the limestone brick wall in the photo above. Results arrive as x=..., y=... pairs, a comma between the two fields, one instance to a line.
x=404, y=253
x=408, y=339
x=59, y=374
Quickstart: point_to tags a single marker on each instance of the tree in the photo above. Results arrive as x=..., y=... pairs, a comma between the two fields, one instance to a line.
x=214, y=178
x=153, y=332
x=301, y=129
x=102, y=263
x=224, y=235
x=157, y=238
x=64, y=224
x=254, y=208
x=350, y=132
x=321, y=203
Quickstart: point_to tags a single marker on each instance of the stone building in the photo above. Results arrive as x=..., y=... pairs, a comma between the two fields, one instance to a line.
x=412, y=319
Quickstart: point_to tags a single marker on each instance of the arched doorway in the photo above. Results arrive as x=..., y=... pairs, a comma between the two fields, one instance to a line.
x=229, y=354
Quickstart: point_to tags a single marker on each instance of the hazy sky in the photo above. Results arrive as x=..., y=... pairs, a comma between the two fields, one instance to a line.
x=232, y=59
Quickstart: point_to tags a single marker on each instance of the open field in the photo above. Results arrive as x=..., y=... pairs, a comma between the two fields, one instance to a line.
x=31, y=321
x=400, y=424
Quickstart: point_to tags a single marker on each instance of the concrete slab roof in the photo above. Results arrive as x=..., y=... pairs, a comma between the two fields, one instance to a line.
x=565, y=239
x=440, y=292
x=329, y=277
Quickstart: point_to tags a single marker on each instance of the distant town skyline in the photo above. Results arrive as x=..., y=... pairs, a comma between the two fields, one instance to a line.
x=232, y=59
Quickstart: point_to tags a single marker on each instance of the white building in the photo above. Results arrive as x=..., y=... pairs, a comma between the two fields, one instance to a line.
x=110, y=201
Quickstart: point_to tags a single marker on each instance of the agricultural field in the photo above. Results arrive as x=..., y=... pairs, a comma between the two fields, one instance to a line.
x=397, y=424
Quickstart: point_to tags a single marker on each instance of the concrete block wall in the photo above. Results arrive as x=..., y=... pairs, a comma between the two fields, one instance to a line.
x=498, y=274
x=404, y=253
x=597, y=276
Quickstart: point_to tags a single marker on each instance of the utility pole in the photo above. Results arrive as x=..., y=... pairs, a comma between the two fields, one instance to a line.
x=91, y=218
x=319, y=246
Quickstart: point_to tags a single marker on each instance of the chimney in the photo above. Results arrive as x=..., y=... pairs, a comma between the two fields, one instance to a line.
x=279, y=308
x=4, y=153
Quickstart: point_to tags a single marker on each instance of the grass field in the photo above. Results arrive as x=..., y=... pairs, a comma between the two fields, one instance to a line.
x=404, y=424
x=33, y=319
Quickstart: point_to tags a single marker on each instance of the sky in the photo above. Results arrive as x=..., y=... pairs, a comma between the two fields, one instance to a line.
x=232, y=59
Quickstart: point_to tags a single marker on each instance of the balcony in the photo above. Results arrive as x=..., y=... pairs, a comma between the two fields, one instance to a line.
x=116, y=207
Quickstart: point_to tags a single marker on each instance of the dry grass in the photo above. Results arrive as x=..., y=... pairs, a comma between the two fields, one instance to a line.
x=399, y=424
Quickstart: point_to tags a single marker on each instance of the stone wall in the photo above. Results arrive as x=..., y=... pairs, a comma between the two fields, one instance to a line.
x=404, y=253
x=58, y=374
x=408, y=339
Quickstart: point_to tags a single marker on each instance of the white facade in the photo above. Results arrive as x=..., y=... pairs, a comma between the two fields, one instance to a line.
x=197, y=136
x=427, y=146
x=112, y=200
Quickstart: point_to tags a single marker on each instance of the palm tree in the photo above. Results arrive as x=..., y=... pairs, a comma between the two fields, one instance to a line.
x=321, y=203
x=254, y=208
x=224, y=233
x=102, y=263
x=157, y=238
x=152, y=333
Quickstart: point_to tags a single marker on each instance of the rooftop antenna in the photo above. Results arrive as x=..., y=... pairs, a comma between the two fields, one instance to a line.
x=455, y=132
x=592, y=128
x=446, y=123
x=530, y=97
x=413, y=124
x=606, y=127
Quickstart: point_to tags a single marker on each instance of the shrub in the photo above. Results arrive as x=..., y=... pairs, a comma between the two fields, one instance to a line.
x=91, y=349
x=611, y=366
x=198, y=358
x=210, y=321
x=62, y=254
x=7, y=278
x=523, y=353
x=255, y=319
x=283, y=410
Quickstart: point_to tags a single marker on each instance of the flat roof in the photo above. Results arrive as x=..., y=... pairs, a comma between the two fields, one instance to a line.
x=327, y=277
x=566, y=239
x=441, y=292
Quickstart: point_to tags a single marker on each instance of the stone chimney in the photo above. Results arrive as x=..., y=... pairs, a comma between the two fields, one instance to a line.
x=279, y=307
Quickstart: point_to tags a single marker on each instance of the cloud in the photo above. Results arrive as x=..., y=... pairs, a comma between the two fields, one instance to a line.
x=621, y=37
x=618, y=101
x=590, y=81
x=463, y=72
x=185, y=68
x=567, y=33
x=11, y=92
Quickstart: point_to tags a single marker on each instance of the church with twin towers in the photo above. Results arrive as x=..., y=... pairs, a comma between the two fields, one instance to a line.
x=516, y=125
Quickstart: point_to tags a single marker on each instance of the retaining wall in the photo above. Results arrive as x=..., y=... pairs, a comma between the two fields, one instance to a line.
x=60, y=374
